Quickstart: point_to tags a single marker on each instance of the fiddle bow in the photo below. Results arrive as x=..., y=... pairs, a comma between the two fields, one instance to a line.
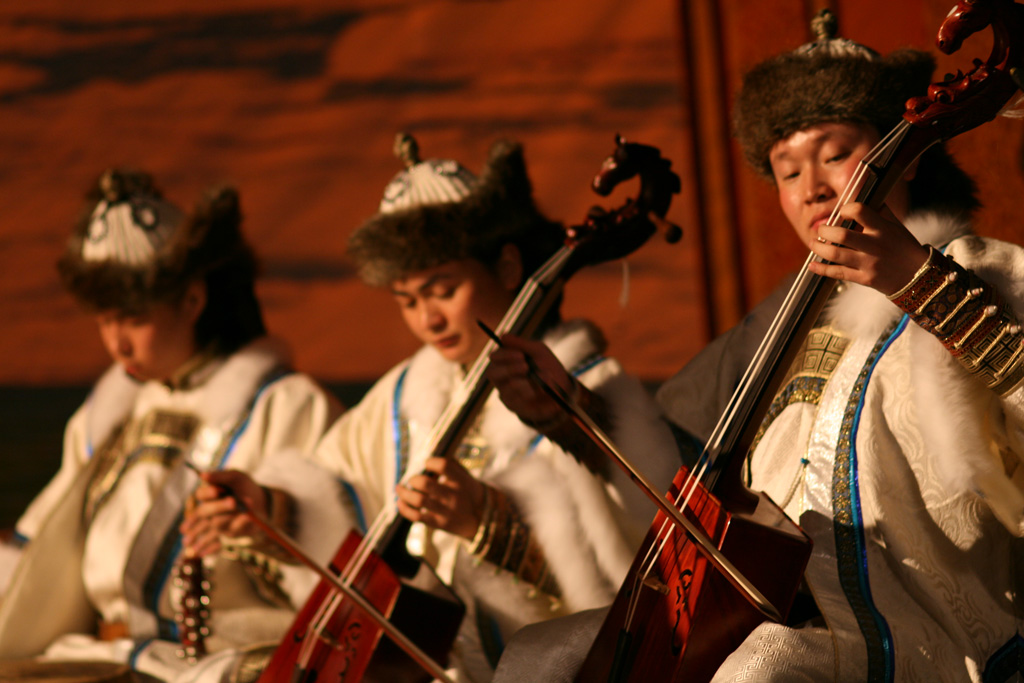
x=675, y=618
x=336, y=637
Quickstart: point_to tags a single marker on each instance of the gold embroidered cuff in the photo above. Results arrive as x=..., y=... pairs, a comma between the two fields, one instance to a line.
x=279, y=511
x=262, y=568
x=969, y=317
x=483, y=529
x=504, y=540
x=494, y=545
x=251, y=662
x=534, y=570
x=918, y=281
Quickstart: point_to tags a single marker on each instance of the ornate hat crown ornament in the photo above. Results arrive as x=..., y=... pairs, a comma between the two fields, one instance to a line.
x=829, y=80
x=825, y=26
x=436, y=211
x=435, y=181
x=128, y=226
x=131, y=248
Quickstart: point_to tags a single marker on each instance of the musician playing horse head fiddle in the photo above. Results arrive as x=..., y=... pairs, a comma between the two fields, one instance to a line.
x=518, y=527
x=99, y=573
x=894, y=440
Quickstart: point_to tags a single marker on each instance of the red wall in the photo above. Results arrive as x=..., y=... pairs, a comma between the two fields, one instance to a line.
x=297, y=104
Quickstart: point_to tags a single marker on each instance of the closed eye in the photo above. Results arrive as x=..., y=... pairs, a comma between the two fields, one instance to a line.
x=405, y=301
x=444, y=293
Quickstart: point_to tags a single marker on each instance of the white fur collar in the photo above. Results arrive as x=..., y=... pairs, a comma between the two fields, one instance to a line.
x=860, y=311
x=223, y=395
x=431, y=379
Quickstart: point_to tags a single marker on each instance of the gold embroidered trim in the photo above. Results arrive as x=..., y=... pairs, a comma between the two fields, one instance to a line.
x=262, y=568
x=251, y=663
x=159, y=436
x=969, y=317
x=819, y=354
x=474, y=453
x=817, y=359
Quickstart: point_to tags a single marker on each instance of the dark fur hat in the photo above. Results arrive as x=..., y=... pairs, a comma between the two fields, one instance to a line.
x=190, y=249
x=493, y=210
x=830, y=80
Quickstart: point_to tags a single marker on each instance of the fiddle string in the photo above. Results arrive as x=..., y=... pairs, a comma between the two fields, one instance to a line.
x=695, y=479
x=656, y=549
x=852, y=190
x=318, y=625
x=383, y=520
x=648, y=565
x=530, y=293
x=293, y=550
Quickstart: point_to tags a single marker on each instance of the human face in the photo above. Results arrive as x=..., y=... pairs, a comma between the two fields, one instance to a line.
x=153, y=344
x=441, y=305
x=813, y=166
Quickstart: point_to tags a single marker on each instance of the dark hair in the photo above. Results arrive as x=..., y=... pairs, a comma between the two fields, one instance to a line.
x=498, y=210
x=941, y=185
x=226, y=263
x=535, y=247
x=207, y=246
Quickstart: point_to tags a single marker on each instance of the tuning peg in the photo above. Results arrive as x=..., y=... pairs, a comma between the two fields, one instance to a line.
x=1017, y=76
x=671, y=232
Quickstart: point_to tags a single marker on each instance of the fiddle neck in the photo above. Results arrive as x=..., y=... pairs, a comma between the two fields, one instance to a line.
x=532, y=305
x=876, y=176
x=603, y=236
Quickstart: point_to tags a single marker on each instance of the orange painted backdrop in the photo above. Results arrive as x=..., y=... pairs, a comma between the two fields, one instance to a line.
x=296, y=102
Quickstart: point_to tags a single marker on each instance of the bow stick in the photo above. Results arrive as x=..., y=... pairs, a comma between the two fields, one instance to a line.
x=594, y=432
x=399, y=638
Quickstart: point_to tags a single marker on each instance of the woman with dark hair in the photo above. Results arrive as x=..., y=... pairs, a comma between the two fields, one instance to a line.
x=519, y=528
x=98, y=571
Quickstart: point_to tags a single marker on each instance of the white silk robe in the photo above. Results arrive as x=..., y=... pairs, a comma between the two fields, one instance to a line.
x=102, y=540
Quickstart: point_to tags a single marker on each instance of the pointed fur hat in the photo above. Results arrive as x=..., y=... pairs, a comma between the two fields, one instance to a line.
x=436, y=211
x=828, y=80
x=132, y=248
